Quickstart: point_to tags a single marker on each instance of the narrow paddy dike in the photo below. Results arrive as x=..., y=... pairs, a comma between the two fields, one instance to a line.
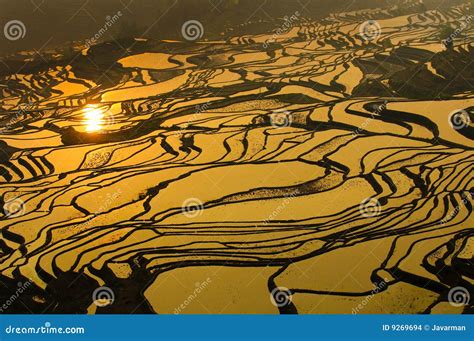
x=220, y=176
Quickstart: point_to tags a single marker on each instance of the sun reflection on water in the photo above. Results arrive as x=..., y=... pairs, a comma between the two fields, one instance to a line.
x=94, y=119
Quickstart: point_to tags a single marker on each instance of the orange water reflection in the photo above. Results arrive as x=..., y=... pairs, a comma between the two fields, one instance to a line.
x=94, y=119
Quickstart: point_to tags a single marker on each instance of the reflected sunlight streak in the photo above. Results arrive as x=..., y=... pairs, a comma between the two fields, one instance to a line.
x=94, y=119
